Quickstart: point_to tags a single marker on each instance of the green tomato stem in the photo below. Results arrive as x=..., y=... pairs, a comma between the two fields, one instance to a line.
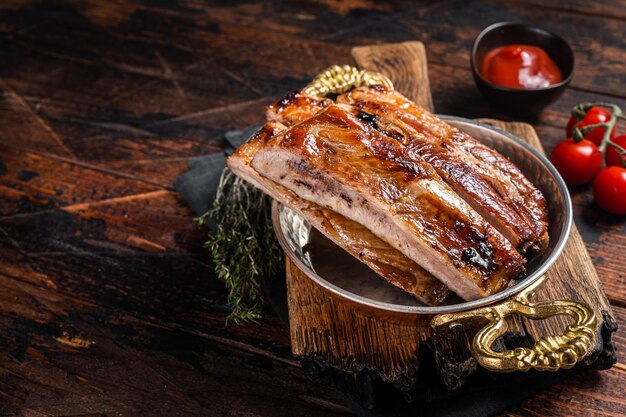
x=579, y=112
x=621, y=152
x=606, y=139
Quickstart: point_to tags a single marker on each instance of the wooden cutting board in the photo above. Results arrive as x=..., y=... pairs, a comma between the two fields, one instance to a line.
x=328, y=334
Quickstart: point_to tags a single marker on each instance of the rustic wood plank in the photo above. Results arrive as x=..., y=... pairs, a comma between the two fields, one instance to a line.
x=611, y=9
x=31, y=182
x=40, y=353
x=23, y=125
x=190, y=49
x=405, y=62
x=125, y=360
x=138, y=221
x=156, y=151
x=295, y=49
x=328, y=331
x=448, y=33
x=68, y=357
x=81, y=256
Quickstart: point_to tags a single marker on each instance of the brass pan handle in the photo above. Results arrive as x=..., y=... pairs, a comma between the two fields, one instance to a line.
x=341, y=78
x=550, y=353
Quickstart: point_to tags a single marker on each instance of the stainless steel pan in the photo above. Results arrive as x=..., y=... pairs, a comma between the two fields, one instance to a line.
x=349, y=281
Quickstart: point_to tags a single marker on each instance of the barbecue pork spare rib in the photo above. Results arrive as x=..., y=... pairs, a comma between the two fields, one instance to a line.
x=427, y=207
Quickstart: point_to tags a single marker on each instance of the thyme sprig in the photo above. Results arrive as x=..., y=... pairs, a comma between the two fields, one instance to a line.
x=242, y=244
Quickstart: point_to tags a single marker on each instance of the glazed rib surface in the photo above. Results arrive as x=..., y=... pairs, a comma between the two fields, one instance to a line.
x=487, y=181
x=356, y=239
x=296, y=107
x=337, y=161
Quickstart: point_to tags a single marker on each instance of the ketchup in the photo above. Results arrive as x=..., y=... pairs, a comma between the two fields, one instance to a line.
x=520, y=66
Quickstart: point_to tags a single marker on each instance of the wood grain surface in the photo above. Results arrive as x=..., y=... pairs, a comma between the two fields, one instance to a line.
x=405, y=63
x=108, y=305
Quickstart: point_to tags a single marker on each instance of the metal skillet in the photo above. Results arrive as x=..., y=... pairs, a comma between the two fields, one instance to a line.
x=347, y=280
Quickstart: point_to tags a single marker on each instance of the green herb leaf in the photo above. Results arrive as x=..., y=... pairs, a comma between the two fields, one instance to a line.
x=242, y=245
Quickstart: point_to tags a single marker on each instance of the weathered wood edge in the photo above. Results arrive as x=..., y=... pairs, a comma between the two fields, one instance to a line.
x=404, y=63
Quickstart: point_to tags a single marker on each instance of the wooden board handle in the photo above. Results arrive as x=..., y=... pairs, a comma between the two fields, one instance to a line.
x=404, y=63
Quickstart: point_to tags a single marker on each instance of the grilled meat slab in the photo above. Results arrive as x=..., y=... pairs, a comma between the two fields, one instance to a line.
x=356, y=239
x=487, y=181
x=337, y=161
x=296, y=107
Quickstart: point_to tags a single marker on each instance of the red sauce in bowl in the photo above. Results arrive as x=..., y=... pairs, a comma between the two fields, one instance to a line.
x=520, y=66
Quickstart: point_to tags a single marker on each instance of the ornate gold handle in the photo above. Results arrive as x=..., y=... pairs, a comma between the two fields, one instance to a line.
x=340, y=79
x=550, y=353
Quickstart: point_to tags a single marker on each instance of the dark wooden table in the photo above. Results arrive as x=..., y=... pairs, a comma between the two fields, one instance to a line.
x=107, y=303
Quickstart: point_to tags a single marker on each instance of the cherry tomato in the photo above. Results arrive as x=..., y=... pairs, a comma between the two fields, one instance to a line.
x=595, y=115
x=570, y=126
x=609, y=189
x=576, y=162
x=612, y=155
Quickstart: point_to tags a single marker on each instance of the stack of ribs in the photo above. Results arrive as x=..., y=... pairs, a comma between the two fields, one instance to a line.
x=424, y=205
